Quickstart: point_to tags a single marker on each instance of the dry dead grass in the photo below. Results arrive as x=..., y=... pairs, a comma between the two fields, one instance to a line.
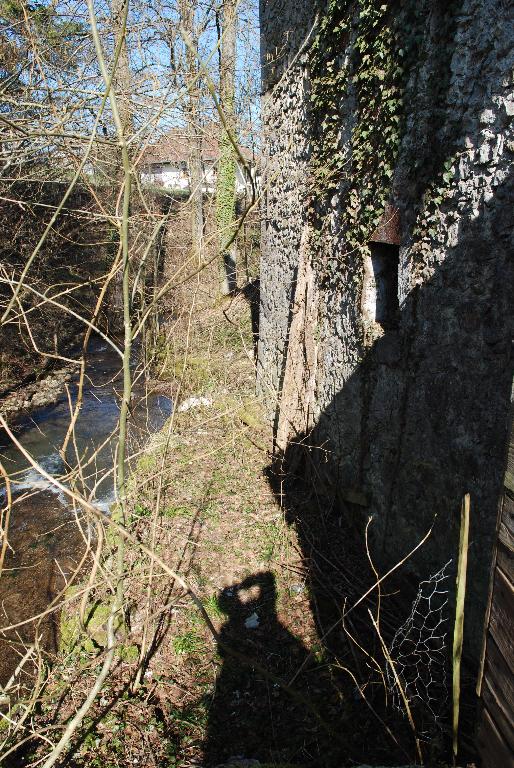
x=216, y=522
x=201, y=497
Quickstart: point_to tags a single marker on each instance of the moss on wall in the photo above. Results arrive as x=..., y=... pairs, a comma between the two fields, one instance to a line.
x=360, y=56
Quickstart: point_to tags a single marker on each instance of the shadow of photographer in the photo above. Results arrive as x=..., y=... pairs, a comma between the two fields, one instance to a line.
x=270, y=693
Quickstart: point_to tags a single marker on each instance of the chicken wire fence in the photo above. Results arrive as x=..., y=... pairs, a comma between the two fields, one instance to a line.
x=420, y=652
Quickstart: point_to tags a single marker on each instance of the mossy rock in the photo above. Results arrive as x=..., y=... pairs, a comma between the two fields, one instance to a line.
x=69, y=625
x=72, y=636
x=128, y=653
x=251, y=414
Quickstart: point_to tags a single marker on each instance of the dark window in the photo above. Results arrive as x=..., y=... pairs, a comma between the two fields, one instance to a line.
x=380, y=302
x=385, y=259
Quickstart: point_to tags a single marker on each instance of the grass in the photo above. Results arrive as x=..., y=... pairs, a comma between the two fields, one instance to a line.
x=140, y=510
x=196, y=373
x=271, y=539
x=220, y=526
x=230, y=336
x=189, y=643
x=181, y=510
x=212, y=606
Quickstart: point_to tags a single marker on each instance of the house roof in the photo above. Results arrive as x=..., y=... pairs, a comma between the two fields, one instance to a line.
x=173, y=147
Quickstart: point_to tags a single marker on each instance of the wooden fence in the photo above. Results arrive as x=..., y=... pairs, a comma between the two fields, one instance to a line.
x=496, y=683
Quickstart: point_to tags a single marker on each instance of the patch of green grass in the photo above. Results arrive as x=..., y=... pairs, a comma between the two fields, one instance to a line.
x=196, y=375
x=216, y=547
x=212, y=606
x=271, y=536
x=188, y=643
x=201, y=580
x=228, y=335
x=146, y=463
x=220, y=481
x=210, y=511
x=179, y=510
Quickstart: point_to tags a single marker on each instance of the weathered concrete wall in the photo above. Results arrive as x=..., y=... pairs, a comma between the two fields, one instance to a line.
x=286, y=33
x=410, y=405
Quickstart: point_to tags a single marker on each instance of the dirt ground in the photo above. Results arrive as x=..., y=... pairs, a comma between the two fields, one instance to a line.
x=45, y=546
x=282, y=683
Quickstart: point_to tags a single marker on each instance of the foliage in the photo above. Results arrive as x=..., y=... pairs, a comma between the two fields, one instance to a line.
x=188, y=643
x=360, y=56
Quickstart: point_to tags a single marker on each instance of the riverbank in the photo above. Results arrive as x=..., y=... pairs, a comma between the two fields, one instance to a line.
x=199, y=497
x=261, y=684
x=46, y=390
x=45, y=549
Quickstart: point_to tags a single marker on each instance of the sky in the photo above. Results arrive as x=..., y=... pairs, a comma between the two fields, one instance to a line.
x=71, y=95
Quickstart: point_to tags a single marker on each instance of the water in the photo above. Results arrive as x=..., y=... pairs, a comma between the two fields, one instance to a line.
x=42, y=432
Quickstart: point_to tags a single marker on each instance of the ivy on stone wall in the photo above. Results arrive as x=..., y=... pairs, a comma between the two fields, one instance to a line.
x=358, y=61
x=366, y=64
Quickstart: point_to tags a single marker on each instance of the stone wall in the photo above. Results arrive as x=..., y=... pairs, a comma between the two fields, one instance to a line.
x=287, y=148
x=386, y=279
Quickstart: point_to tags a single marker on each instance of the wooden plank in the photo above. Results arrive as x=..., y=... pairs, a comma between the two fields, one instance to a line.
x=487, y=618
x=495, y=753
x=495, y=684
x=500, y=676
x=509, y=474
x=510, y=462
x=505, y=552
x=501, y=623
x=508, y=480
x=508, y=514
x=500, y=716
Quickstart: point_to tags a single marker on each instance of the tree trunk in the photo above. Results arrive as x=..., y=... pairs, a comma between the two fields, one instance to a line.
x=194, y=131
x=121, y=85
x=226, y=184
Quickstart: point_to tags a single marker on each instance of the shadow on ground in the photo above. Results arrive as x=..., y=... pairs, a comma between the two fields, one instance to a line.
x=272, y=697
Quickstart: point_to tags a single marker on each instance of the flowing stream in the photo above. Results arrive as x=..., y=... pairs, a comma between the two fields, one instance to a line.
x=45, y=542
x=42, y=432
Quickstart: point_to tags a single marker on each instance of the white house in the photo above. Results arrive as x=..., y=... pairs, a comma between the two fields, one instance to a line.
x=165, y=163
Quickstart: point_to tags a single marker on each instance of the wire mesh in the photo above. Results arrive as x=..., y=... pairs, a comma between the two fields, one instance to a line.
x=419, y=652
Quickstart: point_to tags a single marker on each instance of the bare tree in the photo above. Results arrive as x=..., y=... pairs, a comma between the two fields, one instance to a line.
x=83, y=90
